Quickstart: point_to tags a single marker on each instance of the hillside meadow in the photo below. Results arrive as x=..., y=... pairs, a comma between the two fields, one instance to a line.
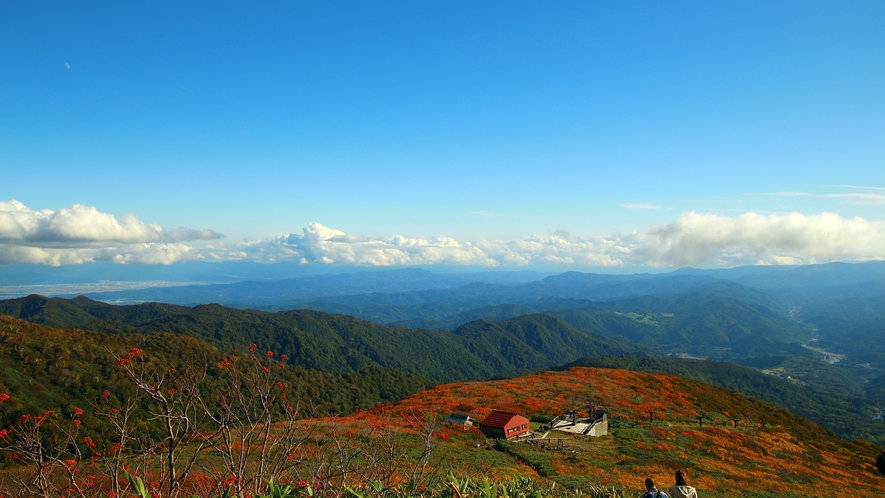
x=81, y=409
x=744, y=446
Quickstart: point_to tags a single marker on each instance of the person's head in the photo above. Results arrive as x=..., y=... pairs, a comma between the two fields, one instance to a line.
x=649, y=484
x=680, y=478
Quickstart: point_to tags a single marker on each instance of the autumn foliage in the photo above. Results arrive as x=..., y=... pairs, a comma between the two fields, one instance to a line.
x=740, y=445
x=227, y=426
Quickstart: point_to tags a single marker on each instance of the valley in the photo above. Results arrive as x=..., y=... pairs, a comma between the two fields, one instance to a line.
x=743, y=359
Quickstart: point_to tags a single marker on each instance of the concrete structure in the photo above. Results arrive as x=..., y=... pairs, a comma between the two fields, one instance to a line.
x=504, y=425
x=594, y=425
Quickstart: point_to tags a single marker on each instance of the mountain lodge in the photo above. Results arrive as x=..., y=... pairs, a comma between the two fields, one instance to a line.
x=500, y=424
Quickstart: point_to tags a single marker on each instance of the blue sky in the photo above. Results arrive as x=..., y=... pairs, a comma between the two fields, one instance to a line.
x=474, y=130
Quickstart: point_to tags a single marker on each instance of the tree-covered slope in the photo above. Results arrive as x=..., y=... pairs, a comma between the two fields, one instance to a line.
x=812, y=373
x=807, y=277
x=855, y=327
x=711, y=325
x=847, y=416
x=334, y=343
x=840, y=314
x=722, y=320
x=49, y=368
x=454, y=320
x=538, y=339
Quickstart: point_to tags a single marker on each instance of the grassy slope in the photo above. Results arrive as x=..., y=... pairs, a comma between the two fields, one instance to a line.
x=845, y=415
x=789, y=456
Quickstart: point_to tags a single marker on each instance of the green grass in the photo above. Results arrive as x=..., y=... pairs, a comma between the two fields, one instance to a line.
x=641, y=318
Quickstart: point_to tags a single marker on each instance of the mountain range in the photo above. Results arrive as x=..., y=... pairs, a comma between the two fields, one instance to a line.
x=339, y=343
x=778, y=323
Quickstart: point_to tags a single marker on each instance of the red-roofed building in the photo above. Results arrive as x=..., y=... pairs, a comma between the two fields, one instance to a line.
x=504, y=425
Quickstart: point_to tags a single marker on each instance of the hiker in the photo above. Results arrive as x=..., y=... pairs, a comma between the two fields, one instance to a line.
x=880, y=461
x=652, y=490
x=682, y=489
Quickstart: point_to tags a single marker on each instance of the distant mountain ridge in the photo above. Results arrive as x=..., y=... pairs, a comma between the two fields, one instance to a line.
x=720, y=322
x=336, y=343
x=283, y=293
x=284, y=285
x=280, y=286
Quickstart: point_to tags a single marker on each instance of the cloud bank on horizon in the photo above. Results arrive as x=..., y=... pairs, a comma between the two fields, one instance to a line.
x=82, y=234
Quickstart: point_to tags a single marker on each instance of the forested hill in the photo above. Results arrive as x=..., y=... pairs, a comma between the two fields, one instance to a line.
x=702, y=323
x=845, y=415
x=44, y=368
x=336, y=343
x=529, y=340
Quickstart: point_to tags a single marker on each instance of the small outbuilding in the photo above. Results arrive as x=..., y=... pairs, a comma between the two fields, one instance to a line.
x=460, y=420
x=505, y=425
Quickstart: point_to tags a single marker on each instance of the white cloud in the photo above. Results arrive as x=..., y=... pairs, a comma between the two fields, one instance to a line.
x=752, y=238
x=83, y=234
x=693, y=239
x=323, y=245
x=151, y=254
x=81, y=225
x=554, y=249
x=320, y=244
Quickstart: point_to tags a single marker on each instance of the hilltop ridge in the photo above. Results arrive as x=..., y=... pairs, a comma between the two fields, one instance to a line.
x=745, y=446
x=338, y=343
